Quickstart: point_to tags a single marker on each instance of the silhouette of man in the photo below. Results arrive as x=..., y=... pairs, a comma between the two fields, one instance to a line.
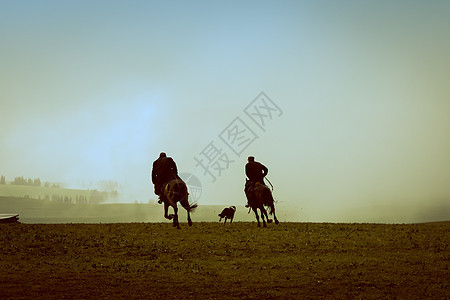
x=255, y=172
x=164, y=170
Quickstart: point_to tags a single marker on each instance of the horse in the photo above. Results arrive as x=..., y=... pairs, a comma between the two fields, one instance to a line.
x=260, y=197
x=176, y=191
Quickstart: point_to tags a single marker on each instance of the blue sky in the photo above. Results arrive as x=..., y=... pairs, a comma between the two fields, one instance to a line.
x=94, y=90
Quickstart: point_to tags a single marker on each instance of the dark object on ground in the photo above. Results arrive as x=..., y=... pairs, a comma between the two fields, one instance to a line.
x=227, y=213
x=9, y=218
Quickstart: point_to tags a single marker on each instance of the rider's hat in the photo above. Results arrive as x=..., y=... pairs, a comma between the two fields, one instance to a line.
x=162, y=154
x=251, y=158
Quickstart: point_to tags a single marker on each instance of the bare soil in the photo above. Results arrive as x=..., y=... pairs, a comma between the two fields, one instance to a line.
x=212, y=260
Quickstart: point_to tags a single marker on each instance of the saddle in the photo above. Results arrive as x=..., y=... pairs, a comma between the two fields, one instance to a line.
x=251, y=185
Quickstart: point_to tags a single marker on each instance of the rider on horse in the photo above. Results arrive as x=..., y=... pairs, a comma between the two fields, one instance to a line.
x=255, y=172
x=164, y=170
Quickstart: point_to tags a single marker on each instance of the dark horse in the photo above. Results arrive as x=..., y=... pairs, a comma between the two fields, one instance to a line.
x=260, y=197
x=176, y=191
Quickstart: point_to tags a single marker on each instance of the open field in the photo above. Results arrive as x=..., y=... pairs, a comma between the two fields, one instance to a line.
x=211, y=261
x=49, y=212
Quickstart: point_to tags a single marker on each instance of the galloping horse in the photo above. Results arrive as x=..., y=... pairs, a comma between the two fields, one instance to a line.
x=176, y=191
x=260, y=196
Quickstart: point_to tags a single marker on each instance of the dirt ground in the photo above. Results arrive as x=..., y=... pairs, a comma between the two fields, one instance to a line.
x=212, y=260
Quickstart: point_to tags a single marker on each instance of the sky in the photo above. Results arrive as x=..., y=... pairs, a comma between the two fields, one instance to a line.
x=346, y=102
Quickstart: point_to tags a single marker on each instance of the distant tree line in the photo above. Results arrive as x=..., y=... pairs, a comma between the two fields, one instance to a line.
x=108, y=185
x=66, y=199
x=53, y=185
x=95, y=197
x=26, y=181
x=22, y=181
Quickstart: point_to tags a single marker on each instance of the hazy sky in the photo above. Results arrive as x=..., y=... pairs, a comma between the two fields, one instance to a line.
x=359, y=90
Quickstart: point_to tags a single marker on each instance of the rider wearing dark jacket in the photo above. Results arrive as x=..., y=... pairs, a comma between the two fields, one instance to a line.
x=255, y=172
x=164, y=169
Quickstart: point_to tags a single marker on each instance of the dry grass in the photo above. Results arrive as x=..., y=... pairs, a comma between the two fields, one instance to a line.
x=210, y=260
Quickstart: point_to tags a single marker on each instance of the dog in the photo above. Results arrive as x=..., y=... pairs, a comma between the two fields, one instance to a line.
x=227, y=213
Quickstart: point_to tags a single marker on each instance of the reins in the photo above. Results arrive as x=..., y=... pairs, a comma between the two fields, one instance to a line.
x=269, y=182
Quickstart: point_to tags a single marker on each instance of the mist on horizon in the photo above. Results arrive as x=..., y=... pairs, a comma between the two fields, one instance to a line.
x=355, y=126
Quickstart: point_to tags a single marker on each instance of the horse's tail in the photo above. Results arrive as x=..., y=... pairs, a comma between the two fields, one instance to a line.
x=189, y=207
x=181, y=189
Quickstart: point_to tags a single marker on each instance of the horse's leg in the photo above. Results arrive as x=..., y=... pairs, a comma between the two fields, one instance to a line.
x=166, y=209
x=274, y=215
x=185, y=203
x=176, y=221
x=256, y=214
x=263, y=213
x=189, y=218
x=175, y=217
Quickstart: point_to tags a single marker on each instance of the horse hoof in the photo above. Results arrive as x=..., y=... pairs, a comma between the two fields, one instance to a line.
x=276, y=222
x=190, y=223
x=269, y=221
